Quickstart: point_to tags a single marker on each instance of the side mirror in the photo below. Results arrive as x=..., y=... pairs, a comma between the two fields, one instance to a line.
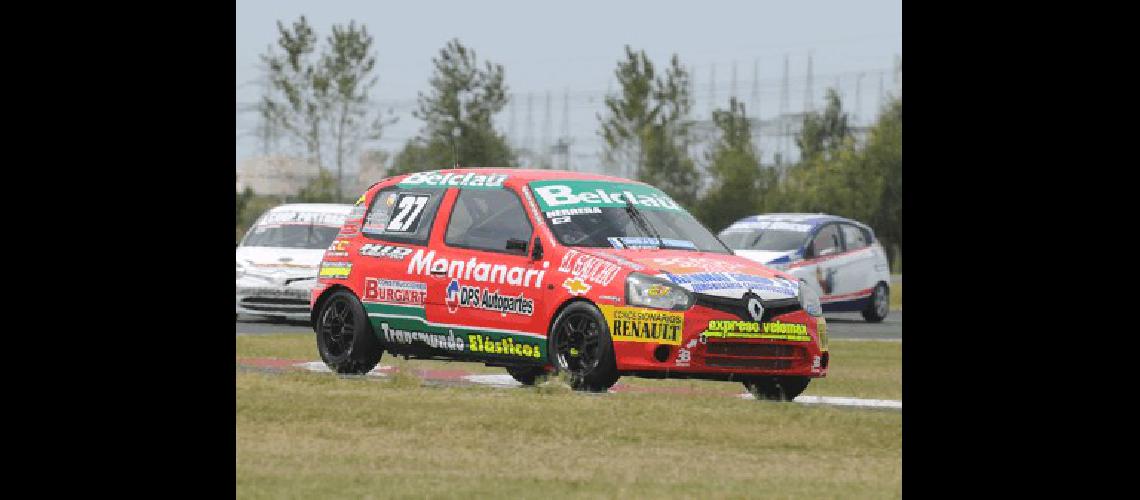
x=517, y=245
x=537, y=253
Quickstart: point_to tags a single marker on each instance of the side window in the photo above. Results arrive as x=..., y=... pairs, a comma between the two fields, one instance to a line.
x=489, y=219
x=402, y=215
x=826, y=241
x=854, y=237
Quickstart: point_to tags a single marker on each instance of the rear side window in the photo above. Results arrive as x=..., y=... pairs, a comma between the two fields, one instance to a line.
x=488, y=219
x=402, y=215
x=855, y=237
x=826, y=241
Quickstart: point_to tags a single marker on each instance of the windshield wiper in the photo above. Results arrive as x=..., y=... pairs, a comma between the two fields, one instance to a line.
x=644, y=224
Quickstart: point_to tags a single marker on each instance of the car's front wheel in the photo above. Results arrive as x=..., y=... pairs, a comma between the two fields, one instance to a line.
x=580, y=345
x=880, y=304
x=776, y=388
x=344, y=335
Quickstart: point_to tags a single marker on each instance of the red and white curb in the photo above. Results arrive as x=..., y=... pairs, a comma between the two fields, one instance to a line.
x=506, y=381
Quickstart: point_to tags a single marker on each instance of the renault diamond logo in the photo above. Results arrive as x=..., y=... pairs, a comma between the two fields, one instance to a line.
x=755, y=309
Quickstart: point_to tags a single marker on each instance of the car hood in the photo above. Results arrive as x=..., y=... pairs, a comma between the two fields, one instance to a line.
x=722, y=275
x=286, y=261
x=766, y=256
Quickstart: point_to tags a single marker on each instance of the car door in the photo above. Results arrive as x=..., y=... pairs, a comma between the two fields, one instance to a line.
x=397, y=228
x=491, y=281
x=854, y=271
x=821, y=264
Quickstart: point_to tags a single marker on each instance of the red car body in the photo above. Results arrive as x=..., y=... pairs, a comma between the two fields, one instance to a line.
x=498, y=308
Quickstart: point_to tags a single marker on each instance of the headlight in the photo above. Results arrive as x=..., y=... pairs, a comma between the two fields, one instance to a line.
x=648, y=291
x=809, y=301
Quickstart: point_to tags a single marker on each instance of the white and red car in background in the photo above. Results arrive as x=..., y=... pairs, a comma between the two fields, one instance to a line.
x=839, y=258
x=278, y=259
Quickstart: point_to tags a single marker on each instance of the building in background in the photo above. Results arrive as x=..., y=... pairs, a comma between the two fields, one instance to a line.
x=275, y=174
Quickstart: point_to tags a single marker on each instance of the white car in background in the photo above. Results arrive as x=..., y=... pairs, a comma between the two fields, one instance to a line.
x=839, y=258
x=278, y=259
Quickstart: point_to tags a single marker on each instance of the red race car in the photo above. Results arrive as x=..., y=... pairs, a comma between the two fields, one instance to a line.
x=539, y=270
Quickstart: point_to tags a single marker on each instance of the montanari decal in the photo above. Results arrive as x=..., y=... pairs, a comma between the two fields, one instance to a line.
x=556, y=195
x=411, y=293
x=634, y=324
x=484, y=298
x=448, y=180
x=472, y=270
x=731, y=329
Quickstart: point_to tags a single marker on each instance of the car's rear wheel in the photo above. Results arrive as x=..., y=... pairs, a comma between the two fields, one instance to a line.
x=880, y=304
x=525, y=375
x=776, y=388
x=580, y=345
x=344, y=335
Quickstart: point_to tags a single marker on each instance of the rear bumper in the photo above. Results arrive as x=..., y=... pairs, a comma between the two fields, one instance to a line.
x=703, y=356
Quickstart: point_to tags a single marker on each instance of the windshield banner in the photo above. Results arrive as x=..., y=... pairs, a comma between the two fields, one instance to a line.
x=558, y=195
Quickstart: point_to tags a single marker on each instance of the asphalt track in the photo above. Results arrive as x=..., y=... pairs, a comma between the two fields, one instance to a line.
x=839, y=326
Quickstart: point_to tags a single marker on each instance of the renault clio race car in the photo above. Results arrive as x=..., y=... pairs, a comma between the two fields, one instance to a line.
x=539, y=271
x=278, y=257
x=839, y=258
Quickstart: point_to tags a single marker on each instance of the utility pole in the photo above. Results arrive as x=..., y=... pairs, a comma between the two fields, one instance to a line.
x=712, y=89
x=545, y=163
x=511, y=124
x=565, y=140
x=808, y=108
x=732, y=90
x=528, y=140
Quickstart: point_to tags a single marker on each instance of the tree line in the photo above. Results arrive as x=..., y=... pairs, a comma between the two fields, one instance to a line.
x=318, y=102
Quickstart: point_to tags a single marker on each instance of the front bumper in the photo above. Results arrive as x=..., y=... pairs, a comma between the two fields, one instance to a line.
x=704, y=354
x=288, y=301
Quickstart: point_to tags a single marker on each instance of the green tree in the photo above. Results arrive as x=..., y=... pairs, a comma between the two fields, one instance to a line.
x=740, y=183
x=648, y=125
x=322, y=102
x=826, y=132
x=458, y=113
x=323, y=188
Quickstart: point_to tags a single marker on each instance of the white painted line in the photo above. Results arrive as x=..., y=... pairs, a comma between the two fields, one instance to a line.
x=319, y=367
x=493, y=380
x=838, y=401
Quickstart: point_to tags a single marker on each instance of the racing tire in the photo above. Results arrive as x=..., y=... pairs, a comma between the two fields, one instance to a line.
x=880, y=304
x=344, y=335
x=525, y=375
x=580, y=345
x=776, y=388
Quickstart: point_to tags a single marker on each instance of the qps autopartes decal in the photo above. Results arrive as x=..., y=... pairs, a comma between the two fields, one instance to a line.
x=636, y=324
x=435, y=179
x=558, y=195
x=422, y=263
x=411, y=293
x=588, y=267
x=732, y=329
x=477, y=297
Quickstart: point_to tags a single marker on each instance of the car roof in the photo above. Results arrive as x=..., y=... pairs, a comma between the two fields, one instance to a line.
x=814, y=220
x=524, y=175
x=335, y=208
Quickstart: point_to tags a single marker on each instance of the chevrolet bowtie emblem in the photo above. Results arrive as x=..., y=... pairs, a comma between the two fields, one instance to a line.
x=576, y=286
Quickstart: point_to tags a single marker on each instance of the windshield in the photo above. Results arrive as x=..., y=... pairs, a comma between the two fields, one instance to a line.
x=291, y=229
x=771, y=239
x=309, y=236
x=597, y=214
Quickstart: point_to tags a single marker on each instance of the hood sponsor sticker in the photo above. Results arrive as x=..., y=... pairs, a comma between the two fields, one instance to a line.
x=702, y=282
x=435, y=179
x=558, y=195
x=690, y=264
x=635, y=324
x=588, y=267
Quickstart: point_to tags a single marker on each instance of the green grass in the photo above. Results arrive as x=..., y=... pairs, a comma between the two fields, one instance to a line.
x=896, y=296
x=302, y=435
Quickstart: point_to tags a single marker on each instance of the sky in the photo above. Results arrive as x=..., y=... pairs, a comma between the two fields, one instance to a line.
x=555, y=48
